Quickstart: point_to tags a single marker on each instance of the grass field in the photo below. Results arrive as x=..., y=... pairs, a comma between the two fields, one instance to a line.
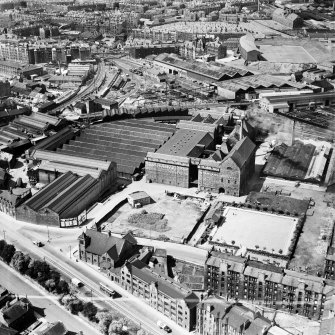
x=286, y=54
x=250, y=228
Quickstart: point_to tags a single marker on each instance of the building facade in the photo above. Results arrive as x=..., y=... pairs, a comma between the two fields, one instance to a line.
x=238, y=278
x=164, y=294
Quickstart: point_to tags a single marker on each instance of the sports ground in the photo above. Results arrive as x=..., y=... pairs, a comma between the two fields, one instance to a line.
x=250, y=228
x=286, y=54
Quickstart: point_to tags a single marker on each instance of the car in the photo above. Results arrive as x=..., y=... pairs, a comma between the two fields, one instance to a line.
x=38, y=243
x=164, y=326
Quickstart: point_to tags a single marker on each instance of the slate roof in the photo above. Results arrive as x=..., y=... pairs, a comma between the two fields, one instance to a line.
x=164, y=283
x=241, y=152
x=101, y=244
x=56, y=328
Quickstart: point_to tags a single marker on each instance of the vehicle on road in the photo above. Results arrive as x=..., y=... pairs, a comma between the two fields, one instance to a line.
x=164, y=326
x=107, y=290
x=76, y=282
x=38, y=243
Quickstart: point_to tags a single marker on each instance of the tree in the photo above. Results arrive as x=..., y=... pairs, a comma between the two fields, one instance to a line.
x=90, y=310
x=232, y=242
x=3, y=243
x=8, y=253
x=116, y=328
x=20, y=261
x=141, y=332
x=105, y=319
x=280, y=251
x=62, y=287
x=50, y=285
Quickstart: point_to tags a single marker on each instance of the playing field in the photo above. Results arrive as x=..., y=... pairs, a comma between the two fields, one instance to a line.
x=286, y=54
x=250, y=228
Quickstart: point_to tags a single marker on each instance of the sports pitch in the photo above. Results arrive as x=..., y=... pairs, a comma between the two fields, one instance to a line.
x=250, y=228
x=286, y=54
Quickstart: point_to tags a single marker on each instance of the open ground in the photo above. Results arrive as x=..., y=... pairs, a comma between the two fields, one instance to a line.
x=286, y=54
x=181, y=216
x=250, y=228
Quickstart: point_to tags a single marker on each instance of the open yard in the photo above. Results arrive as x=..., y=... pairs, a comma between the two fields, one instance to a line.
x=175, y=218
x=250, y=228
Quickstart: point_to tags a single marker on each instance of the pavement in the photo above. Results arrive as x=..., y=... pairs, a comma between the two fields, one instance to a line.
x=22, y=234
x=46, y=303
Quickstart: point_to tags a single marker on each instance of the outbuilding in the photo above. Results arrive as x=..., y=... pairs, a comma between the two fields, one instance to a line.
x=141, y=198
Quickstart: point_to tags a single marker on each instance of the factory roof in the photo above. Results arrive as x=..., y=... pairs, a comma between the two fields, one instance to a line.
x=212, y=72
x=256, y=82
x=186, y=142
x=247, y=42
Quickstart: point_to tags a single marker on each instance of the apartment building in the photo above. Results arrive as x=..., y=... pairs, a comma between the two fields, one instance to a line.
x=236, y=277
x=169, y=297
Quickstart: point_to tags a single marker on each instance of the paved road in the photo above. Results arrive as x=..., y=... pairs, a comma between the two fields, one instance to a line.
x=22, y=286
x=134, y=308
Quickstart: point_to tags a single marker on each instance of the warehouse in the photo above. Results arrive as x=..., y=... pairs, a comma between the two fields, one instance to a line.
x=174, y=65
x=65, y=200
x=124, y=142
x=248, y=49
x=303, y=162
x=239, y=88
x=192, y=158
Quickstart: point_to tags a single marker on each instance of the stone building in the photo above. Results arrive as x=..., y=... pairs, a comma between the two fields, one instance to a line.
x=192, y=158
x=229, y=175
x=105, y=251
x=287, y=19
x=4, y=89
x=11, y=199
x=236, y=277
x=167, y=296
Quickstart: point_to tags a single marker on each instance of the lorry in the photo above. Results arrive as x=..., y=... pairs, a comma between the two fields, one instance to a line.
x=76, y=282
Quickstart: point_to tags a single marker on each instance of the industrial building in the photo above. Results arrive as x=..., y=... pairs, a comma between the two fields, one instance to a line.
x=287, y=19
x=65, y=200
x=12, y=68
x=304, y=162
x=174, y=65
x=124, y=142
x=248, y=86
x=192, y=156
x=248, y=49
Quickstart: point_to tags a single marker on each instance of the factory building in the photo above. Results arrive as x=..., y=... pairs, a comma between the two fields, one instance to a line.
x=287, y=19
x=248, y=48
x=64, y=201
x=192, y=157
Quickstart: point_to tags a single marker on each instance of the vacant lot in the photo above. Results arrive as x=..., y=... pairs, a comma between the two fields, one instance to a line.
x=250, y=228
x=279, y=202
x=180, y=216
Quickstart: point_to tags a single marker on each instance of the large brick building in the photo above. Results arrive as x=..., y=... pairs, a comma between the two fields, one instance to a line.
x=192, y=158
x=65, y=200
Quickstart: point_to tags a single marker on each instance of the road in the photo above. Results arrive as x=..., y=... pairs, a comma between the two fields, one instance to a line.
x=22, y=286
x=132, y=307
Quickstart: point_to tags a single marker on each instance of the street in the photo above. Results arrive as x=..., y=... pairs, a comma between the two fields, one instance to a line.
x=22, y=286
x=22, y=235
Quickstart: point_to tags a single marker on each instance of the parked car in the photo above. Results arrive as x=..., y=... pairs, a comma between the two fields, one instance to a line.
x=164, y=326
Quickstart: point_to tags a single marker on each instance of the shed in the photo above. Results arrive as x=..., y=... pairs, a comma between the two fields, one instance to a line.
x=140, y=197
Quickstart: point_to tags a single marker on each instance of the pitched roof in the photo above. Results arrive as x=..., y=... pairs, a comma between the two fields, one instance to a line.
x=164, y=283
x=241, y=152
x=56, y=328
x=101, y=243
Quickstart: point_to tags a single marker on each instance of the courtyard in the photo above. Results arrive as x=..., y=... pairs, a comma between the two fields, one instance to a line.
x=255, y=230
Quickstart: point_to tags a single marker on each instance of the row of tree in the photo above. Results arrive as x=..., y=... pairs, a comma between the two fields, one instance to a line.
x=109, y=322
x=38, y=270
